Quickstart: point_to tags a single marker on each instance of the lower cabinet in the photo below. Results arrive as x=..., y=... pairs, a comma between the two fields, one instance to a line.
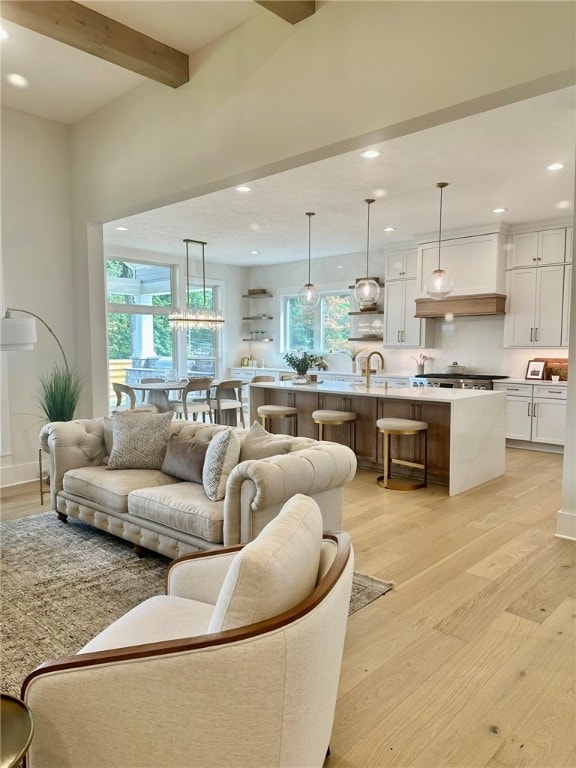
x=535, y=412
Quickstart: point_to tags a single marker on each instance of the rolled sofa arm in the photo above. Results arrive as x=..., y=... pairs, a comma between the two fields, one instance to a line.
x=257, y=486
x=72, y=444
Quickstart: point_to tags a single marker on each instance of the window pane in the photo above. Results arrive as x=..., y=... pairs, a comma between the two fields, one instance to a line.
x=299, y=325
x=141, y=284
x=335, y=327
x=139, y=346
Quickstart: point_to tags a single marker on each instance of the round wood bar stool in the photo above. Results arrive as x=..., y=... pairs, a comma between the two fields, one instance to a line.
x=323, y=418
x=279, y=412
x=389, y=427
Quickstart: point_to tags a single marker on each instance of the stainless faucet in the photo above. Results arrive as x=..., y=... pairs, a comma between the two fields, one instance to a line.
x=370, y=356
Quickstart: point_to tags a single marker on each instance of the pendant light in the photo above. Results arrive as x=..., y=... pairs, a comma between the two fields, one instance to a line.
x=200, y=318
x=367, y=290
x=439, y=284
x=308, y=296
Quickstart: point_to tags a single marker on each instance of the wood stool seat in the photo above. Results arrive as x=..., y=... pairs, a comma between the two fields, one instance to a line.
x=392, y=426
x=323, y=417
x=278, y=412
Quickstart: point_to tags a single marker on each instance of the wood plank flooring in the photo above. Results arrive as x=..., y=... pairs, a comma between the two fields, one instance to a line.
x=470, y=661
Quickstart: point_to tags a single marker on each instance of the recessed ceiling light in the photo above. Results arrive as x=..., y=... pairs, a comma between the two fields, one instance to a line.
x=370, y=153
x=121, y=229
x=4, y=35
x=389, y=229
x=563, y=204
x=339, y=266
x=17, y=80
x=254, y=253
x=379, y=192
x=243, y=188
x=555, y=167
x=499, y=210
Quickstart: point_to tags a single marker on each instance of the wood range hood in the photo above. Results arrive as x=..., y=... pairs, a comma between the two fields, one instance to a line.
x=461, y=306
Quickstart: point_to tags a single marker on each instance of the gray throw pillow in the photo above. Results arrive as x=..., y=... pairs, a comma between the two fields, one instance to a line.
x=221, y=458
x=185, y=458
x=139, y=439
x=259, y=444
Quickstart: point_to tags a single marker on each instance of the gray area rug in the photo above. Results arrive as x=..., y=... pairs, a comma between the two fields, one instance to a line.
x=60, y=584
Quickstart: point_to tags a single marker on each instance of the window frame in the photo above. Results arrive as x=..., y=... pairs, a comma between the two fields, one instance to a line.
x=317, y=312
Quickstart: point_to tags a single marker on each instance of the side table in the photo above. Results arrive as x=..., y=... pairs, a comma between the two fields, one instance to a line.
x=17, y=729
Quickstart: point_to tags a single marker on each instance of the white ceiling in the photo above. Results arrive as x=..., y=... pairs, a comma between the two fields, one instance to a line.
x=497, y=158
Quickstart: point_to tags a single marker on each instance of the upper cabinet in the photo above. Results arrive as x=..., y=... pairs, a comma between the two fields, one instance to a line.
x=534, y=307
x=476, y=264
x=400, y=265
x=401, y=328
x=536, y=249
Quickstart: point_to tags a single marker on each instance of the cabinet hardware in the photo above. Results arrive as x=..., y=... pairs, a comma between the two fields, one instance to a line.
x=534, y=410
x=535, y=334
x=512, y=389
x=531, y=334
x=398, y=337
x=529, y=409
x=554, y=391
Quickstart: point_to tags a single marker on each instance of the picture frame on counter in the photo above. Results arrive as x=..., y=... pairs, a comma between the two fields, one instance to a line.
x=535, y=369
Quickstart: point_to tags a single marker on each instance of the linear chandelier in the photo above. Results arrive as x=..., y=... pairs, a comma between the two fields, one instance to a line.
x=200, y=318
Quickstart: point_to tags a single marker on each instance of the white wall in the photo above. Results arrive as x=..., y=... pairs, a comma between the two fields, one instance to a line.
x=37, y=271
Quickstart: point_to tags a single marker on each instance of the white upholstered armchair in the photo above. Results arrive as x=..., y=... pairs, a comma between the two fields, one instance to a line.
x=238, y=665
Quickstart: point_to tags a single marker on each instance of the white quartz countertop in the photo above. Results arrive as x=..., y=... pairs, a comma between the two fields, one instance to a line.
x=545, y=382
x=427, y=394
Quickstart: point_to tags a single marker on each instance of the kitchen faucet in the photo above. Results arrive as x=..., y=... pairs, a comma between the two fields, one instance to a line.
x=370, y=356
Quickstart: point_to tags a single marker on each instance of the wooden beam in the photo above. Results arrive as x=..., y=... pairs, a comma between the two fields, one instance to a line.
x=292, y=11
x=89, y=31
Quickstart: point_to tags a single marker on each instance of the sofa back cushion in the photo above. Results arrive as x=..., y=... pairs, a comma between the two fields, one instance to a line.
x=275, y=571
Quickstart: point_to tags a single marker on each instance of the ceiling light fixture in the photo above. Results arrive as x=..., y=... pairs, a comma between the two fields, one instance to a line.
x=499, y=210
x=308, y=296
x=254, y=253
x=121, y=229
x=243, y=188
x=201, y=318
x=367, y=290
x=439, y=284
x=555, y=167
x=4, y=35
x=389, y=229
x=19, y=81
x=370, y=153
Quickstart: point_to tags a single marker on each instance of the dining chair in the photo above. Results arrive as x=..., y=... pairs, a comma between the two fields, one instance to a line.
x=155, y=380
x=194, y=399
x=228, y=397
x=122, y=390
x=256, y=379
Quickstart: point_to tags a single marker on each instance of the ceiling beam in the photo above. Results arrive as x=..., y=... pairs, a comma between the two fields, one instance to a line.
x=92, y=32
x=292, y=11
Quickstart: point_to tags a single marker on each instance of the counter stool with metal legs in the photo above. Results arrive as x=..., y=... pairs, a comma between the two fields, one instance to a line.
x=389, y=427
x=323, y=418
x=270, y=412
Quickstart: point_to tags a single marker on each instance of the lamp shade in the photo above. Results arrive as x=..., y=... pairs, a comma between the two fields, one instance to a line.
x=438, y=284
x=17, y=333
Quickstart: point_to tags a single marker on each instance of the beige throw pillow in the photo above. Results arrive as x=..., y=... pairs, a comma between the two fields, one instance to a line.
x=221, y=458
x=184, y=458
x=274, y=572
x=139, y=439
x=259, y=444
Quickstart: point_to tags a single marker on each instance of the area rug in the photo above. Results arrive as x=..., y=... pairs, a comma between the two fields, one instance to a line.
x=60, y=584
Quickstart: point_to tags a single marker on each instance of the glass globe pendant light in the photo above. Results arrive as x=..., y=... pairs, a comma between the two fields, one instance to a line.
x=308, y=296
x=367, y=290
x=439, y=284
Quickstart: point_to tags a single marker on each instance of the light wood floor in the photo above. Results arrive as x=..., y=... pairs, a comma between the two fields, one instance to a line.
x=470, y=660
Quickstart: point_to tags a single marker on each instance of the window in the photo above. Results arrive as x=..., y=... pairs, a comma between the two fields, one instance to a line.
x=141, y=342
x=324, y=328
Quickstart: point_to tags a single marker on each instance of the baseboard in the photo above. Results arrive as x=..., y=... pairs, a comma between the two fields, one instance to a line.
x=17, y=474
x=566, y=526
x=530, y=446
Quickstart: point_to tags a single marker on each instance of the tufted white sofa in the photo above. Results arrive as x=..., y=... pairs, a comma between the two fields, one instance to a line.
x=158, y=512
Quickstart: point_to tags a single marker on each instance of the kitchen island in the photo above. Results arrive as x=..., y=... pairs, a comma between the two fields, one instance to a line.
x=466, y=428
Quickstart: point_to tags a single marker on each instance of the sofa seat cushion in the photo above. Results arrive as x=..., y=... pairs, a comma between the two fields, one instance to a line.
x=183, y=507
x=163, y=617
x=111, y=489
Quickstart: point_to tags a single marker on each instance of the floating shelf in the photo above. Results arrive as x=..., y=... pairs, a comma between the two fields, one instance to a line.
x=368, y=312
x=258, y=339
x=365, y=338
x=262, y=295
x=258, y=317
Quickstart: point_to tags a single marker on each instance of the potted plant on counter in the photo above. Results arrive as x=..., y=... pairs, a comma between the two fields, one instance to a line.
x=301, y=362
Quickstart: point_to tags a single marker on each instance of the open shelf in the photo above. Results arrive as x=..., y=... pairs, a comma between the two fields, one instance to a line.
x=258, y=317
x=266, y=339
x=365, y=338
x=368, y=312
x=262, y=295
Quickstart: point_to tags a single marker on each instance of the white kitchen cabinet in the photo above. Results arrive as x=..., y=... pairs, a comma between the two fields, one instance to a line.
x=566, y=305
x=401, y=328
x=401, y=265
x=535, y=413
x=534, y=307
x=531, y=249
x=477, y=264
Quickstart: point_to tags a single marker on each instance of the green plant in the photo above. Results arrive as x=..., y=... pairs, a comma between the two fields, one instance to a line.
x=300, y=361
x=59, y=393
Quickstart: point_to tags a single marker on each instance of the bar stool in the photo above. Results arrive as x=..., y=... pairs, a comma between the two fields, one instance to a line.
x=279, y=412
x=335, y=418
x=390, y=427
